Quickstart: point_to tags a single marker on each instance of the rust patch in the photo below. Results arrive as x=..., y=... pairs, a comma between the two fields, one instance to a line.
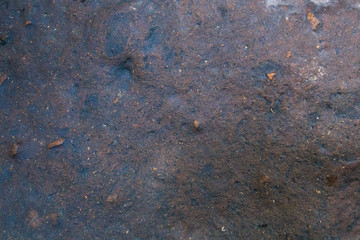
x=2, y=79
x=315, y=23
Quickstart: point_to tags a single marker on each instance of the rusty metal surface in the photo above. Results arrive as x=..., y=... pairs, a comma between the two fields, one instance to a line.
x=191, y=119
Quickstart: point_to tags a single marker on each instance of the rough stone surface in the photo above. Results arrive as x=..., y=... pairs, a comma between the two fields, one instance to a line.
x=166, y=105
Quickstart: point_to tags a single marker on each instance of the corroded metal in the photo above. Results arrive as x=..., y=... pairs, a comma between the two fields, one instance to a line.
x=192, y=119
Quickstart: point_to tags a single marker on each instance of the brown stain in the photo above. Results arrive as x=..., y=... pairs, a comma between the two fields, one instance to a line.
x=331, y=180
x=52, y=218
x=14, y=149
x=34, y=220
x=111, y=198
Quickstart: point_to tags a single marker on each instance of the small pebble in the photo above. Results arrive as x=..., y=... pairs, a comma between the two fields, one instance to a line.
x=3, y=78
x=56, y=143
x=196, y=124
x=270, y=76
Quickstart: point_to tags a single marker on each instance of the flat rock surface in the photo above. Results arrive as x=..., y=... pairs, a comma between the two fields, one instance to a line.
x=179, y=119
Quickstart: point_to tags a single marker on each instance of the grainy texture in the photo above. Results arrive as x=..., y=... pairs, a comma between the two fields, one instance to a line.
x=124, y=80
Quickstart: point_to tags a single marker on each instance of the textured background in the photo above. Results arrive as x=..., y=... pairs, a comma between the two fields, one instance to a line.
x=123, y=83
